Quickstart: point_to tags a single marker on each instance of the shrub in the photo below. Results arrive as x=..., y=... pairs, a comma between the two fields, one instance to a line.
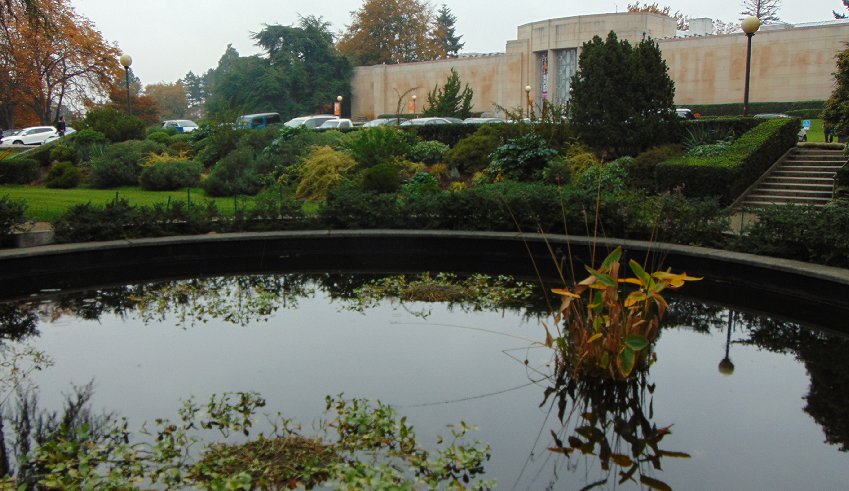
x=471, y=154
x=727, y=176
x=323, y=170
x=171, y=175
x=641, y=169
x=558, y=171
x=89, y=143
x=675, y=219
x=521, y=158
x=709, y=150
x=114, y=124
x=609, y=177
x=19, y=171
x=580, y=162
x=120, y=164
x=381, y=178
x=220, y=140
x=234, y=174
x=11, y=216
x=841, y=178
x=372, y=146
x=63, y=152
x=161, y=136
x=448, y=134
x=62, y=175
x=421, y=183
x=348, y=206
x=429, y=152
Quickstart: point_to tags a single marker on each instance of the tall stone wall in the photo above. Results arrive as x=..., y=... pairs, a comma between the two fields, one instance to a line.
x=788, y=64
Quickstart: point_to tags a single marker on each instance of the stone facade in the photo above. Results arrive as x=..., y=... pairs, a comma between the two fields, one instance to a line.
x=789, y=63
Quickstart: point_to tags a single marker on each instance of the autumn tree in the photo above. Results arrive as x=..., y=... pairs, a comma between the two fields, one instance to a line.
x=169, y=98
x=446, y=41
x=389, y=31
x=765, y=10
x=681, y=20
x=142, y=106
x=450, y=100
x=45, y=69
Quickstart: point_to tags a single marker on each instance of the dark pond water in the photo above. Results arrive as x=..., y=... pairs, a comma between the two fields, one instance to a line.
x=779, y=421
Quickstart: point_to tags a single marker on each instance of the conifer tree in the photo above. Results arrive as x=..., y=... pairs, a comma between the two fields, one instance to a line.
x=445, y=38
x=450, y=100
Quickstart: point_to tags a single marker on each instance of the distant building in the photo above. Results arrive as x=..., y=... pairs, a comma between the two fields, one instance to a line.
x=789, y=63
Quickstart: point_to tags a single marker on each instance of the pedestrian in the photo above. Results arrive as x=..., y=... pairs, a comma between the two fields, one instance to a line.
x=829, y=135
x=60, y=126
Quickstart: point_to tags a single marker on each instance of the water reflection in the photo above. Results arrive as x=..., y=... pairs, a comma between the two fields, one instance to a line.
x=610, y=425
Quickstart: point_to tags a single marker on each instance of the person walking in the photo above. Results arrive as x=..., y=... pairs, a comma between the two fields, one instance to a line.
x=60, y=126
x=829, y=134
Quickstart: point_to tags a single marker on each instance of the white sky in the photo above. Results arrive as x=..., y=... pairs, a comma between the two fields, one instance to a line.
x=167, y=38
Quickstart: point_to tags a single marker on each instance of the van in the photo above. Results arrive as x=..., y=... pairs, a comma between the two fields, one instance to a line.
x=260, y=120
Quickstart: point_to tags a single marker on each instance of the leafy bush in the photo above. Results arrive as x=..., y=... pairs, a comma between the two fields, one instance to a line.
x=349, y=207
x=521, y=158
x=160, y=135
x=114, y=124
x=372, y=146
x=11, y=216
x=709, y=150
x=220, y=140
x=381, y=178
x=842, y=182
x=641, y=169
x=120, y=163
x=673, y=218
x=727, y=176
x=321, y=171
x=63, y=152
x=429, y=152
x=171, y=175
x=558, y=171
x=234, y=174
x=579, y=162
x=89, y=143
x=807, y=233
x=19, y=171
x=421, y=183
x=62, y=175
x=609, y=177
x=471, y=154
x=448, y=134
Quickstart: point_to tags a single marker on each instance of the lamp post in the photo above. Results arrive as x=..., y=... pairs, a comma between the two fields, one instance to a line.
x=726, y=367
x=414, y=105
x=337, y=107
x=126, y=61
x=750, y=26
x=528, y=100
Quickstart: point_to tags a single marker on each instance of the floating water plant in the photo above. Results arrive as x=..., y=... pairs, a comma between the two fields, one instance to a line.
x=607, y=331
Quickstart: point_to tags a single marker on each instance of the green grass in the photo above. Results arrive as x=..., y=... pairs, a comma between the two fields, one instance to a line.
x=47, y=205
x=816, y=134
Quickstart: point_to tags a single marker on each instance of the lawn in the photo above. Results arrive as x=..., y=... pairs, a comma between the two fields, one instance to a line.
x=47, y=205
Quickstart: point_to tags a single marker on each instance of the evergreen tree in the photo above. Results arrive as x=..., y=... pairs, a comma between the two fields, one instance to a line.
x=765, y=10
x=621, y=96
x=447, y=42
x=450, y=100
x=836, y=112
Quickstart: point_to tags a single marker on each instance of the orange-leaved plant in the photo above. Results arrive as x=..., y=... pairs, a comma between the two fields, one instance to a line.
x=606, y=334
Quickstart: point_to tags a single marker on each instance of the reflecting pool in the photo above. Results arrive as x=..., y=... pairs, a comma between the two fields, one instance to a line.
x=735, y=400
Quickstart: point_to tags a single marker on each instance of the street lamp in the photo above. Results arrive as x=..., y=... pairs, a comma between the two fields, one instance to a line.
x=414, y=104
x=726, y=367
x=750, y=26
x=528, y=100
x=337, y=107
x=126, y=61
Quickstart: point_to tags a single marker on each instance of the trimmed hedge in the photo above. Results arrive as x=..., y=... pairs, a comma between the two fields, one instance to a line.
x=719, y=126
x=736, y=109
x=171, y=175
x=842, y=182
x=730, y=175
x=19, y=171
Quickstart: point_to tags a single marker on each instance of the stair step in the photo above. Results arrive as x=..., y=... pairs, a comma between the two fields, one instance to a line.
x=825, y=181
x=779, y=186
x=760, y=204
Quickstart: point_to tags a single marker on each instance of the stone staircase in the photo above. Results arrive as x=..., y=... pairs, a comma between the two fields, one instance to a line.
x=804, y=176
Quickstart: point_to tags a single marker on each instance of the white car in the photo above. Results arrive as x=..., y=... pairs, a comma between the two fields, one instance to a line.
x=310, y=122
x=68, y=131
x=336, y=124
x=34, y=135
x=426, y=121
x=181, y=125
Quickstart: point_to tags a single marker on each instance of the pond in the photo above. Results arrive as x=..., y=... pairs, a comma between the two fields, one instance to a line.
x=773, y=418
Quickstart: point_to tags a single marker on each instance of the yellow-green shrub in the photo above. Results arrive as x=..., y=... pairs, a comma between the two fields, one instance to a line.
x=322, y=170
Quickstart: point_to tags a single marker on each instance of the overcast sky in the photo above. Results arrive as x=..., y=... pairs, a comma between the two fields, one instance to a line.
x=167, y=38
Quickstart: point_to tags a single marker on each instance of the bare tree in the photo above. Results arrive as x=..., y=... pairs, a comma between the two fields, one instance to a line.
x=765, y=10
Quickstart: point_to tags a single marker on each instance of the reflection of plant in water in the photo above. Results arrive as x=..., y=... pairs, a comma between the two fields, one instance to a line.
x=477, y=292
x=607, y=418
x=364, y=445
x=604, y=333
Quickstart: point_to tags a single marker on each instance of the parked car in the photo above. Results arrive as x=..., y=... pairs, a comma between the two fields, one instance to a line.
x=68, y=131
x=13, y=131
x=259, y=120
x=483, y=120
x=338, y=123
x=684, y=113
x=181, y=125
x=34, y=135
x=425, y=121
x=803, y=132
x=310, y=122
x=385, y=121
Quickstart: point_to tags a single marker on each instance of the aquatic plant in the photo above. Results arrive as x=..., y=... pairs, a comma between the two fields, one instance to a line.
x=606, y=331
